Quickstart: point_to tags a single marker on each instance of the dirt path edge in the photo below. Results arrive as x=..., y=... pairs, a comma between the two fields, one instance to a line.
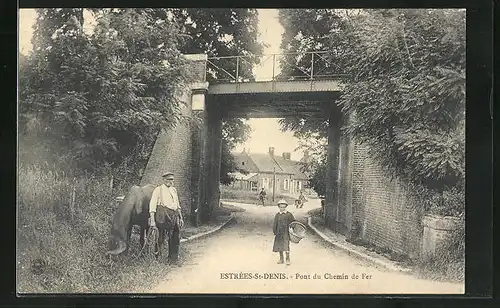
x=209, y=232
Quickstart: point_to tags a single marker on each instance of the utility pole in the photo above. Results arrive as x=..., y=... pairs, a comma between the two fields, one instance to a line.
x=274, y=181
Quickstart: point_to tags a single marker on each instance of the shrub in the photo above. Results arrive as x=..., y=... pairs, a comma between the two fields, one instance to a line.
x=449, y=260
x=448, y=202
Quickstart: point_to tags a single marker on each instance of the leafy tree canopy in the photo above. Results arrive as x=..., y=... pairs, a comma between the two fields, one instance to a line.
x=219, y=33
x=405, y=87
x=105, y=95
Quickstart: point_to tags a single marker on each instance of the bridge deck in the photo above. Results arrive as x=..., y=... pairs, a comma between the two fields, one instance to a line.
x=273, y=104
x=276, y=86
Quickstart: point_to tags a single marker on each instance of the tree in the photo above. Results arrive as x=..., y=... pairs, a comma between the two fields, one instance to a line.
x=219, y=33
x=107, y=94
x=223, y=32
x=405, y=88
x=309, y=30
x=131, y=62
x=234, y=132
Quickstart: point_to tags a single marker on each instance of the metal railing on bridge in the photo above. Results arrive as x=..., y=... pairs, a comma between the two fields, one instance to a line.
x=312, y=65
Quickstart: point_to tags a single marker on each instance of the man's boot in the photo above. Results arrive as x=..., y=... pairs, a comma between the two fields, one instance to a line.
x=287, y=258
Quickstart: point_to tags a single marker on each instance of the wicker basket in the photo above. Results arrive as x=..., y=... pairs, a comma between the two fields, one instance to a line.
x=297, y=232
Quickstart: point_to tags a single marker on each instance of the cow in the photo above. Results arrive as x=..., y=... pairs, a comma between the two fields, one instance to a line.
x=134, y=210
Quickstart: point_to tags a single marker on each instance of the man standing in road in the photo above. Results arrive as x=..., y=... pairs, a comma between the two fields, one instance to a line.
x=302, y=199
x=262, y=196
x=164, y=209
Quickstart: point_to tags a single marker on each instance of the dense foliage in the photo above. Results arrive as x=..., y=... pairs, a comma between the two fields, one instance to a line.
x=98, y=100
x=405, y=86
x=407, y=91
x=310, y=30
x=219, y=33
x=234, y=131
x=102, y=96
x=92, y=100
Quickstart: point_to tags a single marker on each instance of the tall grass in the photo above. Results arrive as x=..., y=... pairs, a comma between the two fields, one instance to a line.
x=448, y=263
x=61, y=251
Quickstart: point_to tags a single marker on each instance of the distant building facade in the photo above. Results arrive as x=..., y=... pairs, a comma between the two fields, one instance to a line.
x=263, y=168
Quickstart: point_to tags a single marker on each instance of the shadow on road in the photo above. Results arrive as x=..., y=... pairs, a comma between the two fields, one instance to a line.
x=258, y=219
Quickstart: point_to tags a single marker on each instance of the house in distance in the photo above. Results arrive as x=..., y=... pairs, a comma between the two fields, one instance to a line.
x=263, y=168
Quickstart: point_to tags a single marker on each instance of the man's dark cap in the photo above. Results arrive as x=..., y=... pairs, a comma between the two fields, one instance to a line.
x=168, y=174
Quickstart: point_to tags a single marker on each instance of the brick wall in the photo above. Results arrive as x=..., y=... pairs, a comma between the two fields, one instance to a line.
x=173, y=149
x=381, y=207
x=345, y=209
x=172, y=152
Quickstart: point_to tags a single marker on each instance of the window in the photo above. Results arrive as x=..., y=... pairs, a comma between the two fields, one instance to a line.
x=242, y=163
x=286, y=184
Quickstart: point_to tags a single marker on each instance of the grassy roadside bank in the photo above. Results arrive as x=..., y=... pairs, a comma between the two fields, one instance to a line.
x=61, y=244
x=449, y=267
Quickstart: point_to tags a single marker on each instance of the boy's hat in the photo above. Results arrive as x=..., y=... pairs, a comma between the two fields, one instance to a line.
x=282, y=201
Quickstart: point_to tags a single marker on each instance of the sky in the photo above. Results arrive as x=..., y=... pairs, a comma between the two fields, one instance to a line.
x=265, y=132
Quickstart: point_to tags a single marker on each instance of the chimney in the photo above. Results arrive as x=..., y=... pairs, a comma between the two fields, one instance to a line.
x=271, y=151
x=286, y=155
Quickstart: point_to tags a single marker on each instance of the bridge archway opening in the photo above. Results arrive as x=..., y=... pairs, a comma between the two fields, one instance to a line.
x=269, y=100
x=194, y=151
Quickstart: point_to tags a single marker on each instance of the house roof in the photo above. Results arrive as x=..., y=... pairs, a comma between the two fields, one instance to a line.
x=243, y=177
x=290, y=166
x=267, y=163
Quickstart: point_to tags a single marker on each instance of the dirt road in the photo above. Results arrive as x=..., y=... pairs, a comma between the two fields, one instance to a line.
x=239, y=259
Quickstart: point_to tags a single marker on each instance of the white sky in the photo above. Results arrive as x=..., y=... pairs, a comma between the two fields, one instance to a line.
x=265, y=132
x=26, y=19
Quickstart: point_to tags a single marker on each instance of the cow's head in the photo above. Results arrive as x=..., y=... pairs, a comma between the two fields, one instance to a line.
x=116, y=245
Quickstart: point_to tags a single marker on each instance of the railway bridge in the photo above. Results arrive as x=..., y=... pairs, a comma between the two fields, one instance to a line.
x=193, y=148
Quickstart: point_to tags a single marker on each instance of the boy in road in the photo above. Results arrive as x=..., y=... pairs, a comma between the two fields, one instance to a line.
x=281, y=231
